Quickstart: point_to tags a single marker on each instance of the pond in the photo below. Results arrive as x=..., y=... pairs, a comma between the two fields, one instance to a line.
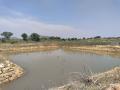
x=47, y=69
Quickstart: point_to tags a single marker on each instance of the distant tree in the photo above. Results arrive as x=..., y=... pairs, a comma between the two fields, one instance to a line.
x=35, y=37
x=6, y=35
x=58, y=38
x=24, y=36
x=84, y=38
x=97, y=37
x=69, y=39
x=54, y=38
x=63, y=39
x=73, y=38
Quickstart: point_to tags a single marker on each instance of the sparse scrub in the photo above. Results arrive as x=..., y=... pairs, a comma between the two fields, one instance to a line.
x=101, y=81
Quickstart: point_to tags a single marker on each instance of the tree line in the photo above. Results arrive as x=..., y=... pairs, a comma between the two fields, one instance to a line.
x=25, y=37
x=7, y=37
x=33, y=37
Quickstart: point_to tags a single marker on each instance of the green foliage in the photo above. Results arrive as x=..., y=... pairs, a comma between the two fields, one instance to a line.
x=13, y=41
x=6, y=35
x=97, y=37
x=55, y=38
x=35, y=37
x=72, y=39
x=24, y=36
x=97, y=40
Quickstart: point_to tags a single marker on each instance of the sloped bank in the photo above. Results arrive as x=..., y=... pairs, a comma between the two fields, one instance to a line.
x=97, y=49
x=27, y=48
x=108, y=80
x=104, y=48
x=8, y=70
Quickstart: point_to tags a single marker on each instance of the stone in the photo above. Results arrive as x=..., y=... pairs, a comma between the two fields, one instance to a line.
x=0, y=72
x=2, y=65
x=114, y=87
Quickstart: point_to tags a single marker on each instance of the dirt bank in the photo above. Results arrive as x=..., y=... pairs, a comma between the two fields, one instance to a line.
x=38, y=47
x=105, y=48
x=8, y=70
x=26, y=47
x=96, y=49
x=100, y=81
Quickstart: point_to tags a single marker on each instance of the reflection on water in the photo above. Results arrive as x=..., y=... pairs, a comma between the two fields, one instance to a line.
x=52, y=68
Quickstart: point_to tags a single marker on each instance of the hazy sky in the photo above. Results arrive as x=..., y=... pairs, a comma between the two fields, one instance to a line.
x=65, y=18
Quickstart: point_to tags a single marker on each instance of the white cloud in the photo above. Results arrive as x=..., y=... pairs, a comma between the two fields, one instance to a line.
x=29, y=25
x=8, y=12
x=18, y=23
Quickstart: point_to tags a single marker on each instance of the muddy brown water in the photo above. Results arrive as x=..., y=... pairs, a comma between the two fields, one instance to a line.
x=47, y=69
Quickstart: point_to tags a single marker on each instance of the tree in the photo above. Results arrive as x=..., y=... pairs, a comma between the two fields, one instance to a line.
x=24, y=36
x=54, y=38
x=73, y=39
x=97, y=37
x=35, y=37
x=84, y=38
x=6, y=35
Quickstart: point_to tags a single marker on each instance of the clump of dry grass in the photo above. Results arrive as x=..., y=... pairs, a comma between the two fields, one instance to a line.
x=83, y=81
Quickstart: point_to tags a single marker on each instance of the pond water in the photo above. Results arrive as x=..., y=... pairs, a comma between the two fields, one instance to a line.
x=52, y=68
